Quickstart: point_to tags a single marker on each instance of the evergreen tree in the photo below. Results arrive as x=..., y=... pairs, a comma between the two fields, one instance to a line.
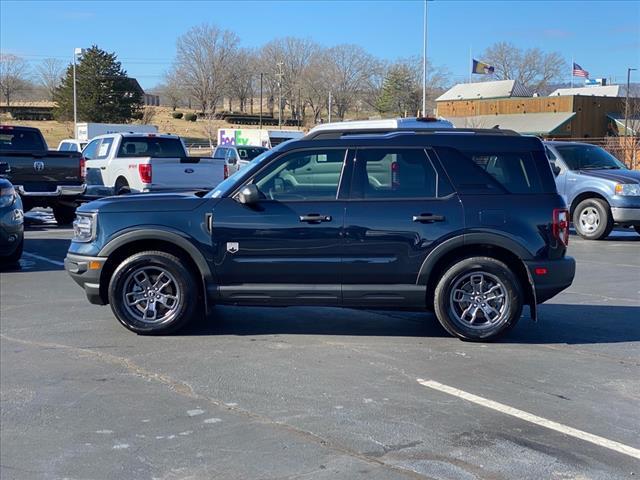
x=104, y=92
x=400, y=92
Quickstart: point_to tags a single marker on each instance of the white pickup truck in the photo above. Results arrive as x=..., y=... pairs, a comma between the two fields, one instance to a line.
x=120, y=163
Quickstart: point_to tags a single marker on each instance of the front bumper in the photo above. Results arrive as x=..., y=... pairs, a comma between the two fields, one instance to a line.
x=86, y=272
x=550, y=277
x=630, y=216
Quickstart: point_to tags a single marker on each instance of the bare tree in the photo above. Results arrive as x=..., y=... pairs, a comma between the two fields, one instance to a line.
x=532, y=68
x=316, y=84
x=171, y=91
x=203, y=56
x=50, y=72
x=241, y=76
x=13, y=76
x=350, y=69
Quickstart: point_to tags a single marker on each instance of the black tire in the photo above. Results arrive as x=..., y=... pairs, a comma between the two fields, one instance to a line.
x=122, y=187
x=596, y=210
x=184, y=288
x=14, y=258
x=637, y=229
x=451, y=313
x=64, y=215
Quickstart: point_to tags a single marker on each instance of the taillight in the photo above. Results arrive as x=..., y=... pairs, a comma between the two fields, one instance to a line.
x=83, y=168
x=226, y=171
x=144, y=169
x=395, y=171
x=560, y=226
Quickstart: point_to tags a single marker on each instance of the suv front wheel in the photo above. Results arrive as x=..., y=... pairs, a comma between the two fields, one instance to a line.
x=153, y=293
x=478, y=299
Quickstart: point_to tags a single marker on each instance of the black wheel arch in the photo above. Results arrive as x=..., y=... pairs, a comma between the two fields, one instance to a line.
x=584, y=196
x=130, y=242
x=478, y=244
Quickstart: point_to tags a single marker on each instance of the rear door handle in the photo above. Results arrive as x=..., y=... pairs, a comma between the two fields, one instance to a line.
x=103, y=168
x=428, y=218
x=315, y=218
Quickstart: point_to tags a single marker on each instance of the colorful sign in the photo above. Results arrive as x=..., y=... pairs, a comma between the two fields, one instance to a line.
x=246, y=136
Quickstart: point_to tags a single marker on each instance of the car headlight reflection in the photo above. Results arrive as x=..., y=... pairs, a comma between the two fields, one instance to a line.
x=8, y=196
x=84, y=227
x=628, y=189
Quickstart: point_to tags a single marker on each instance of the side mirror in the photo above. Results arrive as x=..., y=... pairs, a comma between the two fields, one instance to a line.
x=249, y=195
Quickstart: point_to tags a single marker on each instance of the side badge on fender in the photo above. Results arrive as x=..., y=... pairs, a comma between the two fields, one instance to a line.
x=232, y=247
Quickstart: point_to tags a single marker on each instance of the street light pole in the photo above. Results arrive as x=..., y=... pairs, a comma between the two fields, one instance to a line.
x=76, y=52
x=279, y=95
x=261, y=100
x=626, y=102
x=424, y=64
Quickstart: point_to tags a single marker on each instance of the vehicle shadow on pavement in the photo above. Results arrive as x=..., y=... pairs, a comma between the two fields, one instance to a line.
x=40, y=255
x=321, y=321
x=579, y=324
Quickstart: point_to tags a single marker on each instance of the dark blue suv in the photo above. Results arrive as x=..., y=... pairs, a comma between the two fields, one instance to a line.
x=465, y=223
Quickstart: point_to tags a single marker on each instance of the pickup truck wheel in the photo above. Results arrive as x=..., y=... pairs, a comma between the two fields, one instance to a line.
x=592, y=219
x=153, y=293
x=637, y=229
x=64, y=215
x=478, y=299
x=122, y=187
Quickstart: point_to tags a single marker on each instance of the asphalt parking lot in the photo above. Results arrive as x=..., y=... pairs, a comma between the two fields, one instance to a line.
x=319, y=393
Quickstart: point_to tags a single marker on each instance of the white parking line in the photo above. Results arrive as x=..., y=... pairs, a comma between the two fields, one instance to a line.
x=528, y=417
x=44, y=259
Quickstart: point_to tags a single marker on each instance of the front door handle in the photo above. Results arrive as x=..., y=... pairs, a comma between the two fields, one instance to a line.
x=428, y=218
x=103, y=168
x=315, y=218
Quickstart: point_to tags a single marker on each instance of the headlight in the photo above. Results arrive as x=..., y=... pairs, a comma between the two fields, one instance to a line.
x=84, y=227
x=631, y=189
x=8, y=196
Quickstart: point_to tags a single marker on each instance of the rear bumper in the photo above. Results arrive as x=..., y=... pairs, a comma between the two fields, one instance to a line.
x=86, y=272
x=60, y=191
x=558, y=275
x=630, y=216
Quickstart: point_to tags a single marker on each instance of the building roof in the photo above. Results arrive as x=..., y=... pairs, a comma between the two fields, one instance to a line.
x=605, y=91
x=526, y=123
x=633, y=123
x=479, y=90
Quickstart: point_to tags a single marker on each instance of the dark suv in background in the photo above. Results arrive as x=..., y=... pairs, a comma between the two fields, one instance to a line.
x=465, y=223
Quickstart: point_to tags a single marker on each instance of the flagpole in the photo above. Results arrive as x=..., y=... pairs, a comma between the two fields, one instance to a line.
x=424, y=63
x=470, y=64
x=571, y=71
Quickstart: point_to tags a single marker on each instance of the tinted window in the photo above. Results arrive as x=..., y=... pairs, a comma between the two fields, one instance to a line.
x=249, y=153
x=394, y=173
x=158, y=147
x=91, y=150
x=588, y=157
x=308, y=175
x=64, y=147
x=220, y=153
x=487, y=172
x=20, y=140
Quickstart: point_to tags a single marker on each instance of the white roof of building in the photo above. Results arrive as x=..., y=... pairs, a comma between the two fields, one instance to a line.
x=525, y=123
x=383, y=124
x=605, y=91
x=479, y=90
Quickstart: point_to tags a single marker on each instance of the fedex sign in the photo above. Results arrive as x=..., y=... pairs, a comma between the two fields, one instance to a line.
x=238, y=137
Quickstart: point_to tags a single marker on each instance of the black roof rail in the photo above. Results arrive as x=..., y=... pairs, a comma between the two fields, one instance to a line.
x=344, y=133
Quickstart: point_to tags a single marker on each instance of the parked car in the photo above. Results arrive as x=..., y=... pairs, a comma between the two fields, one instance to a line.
x=466, y=223
x=599, y=189
x=238, y=157
x=11, y=224
x=71, y=145
x=42, y=177
x=121, y=163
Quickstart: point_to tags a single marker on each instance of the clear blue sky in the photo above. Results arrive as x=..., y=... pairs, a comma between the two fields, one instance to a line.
x=603, y=36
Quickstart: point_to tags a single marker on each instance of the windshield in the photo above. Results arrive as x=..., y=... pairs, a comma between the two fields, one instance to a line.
x=249, y=153
x=588, y=157
x=228, y=184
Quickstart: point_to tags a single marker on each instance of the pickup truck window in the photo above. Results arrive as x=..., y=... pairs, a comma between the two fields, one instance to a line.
x=220, y=153
x=21, y=140
x=588, y=157
x=92, y=150
x=158, y=147
x=105, y=148
x=249, y=153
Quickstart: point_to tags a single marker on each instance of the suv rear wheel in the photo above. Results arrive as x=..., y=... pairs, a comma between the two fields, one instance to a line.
x=153, y=293
x=592, y=219
x=478, y=298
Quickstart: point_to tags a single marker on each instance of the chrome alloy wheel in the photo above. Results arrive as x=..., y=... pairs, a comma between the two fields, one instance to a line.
x=479, y=300
x=151, y=294
x=589, y=220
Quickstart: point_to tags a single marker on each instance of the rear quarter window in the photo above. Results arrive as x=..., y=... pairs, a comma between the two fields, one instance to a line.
x=491, y=172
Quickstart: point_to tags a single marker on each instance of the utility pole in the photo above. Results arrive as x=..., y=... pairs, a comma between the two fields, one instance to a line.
x=279, y=95
x=330, y=99
x=261, y=74
x=626, y=117
x=424, y=64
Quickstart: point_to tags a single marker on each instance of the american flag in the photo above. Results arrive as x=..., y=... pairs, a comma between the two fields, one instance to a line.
x=578, y=71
